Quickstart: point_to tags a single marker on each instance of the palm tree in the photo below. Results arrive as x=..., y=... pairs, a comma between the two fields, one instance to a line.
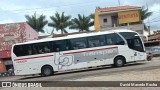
x=37, y=23
x=60, y=22
x=92, y=15
x=82, y=23
x=144, y=15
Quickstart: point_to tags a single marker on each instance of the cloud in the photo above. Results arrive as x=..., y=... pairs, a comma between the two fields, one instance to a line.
x=6, y=21
x=139, y=2
x=154, y=19
x=7, y=15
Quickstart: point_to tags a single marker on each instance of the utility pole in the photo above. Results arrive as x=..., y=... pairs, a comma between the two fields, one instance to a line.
x=119, y=2
x=149, y=31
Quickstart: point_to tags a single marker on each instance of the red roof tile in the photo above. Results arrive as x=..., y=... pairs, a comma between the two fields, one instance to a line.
x=117, y=8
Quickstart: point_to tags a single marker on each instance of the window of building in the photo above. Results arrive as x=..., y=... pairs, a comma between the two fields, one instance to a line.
x=79, y=43
x=105, y=20
x=95, y=41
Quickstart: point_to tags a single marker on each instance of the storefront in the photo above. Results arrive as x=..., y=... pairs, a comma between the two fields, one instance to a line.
x=120, y=17
x=10, y=34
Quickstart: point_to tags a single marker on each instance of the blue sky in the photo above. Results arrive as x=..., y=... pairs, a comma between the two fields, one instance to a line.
x=15, y=10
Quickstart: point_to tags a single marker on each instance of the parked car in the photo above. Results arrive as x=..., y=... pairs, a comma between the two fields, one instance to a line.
x=149, y=56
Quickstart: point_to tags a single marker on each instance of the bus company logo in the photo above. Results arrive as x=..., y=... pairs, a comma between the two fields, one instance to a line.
x=63, y=60
x=101, y=52
x=6, y=84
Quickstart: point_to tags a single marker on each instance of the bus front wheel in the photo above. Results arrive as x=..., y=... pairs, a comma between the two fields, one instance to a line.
x=119, y=61
x=47, y=71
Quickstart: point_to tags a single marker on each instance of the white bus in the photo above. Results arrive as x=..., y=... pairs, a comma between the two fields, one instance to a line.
x=47, y=56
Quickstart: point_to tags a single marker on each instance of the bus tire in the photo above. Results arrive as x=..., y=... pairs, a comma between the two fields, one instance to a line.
x=119, y=61
x=47, y=70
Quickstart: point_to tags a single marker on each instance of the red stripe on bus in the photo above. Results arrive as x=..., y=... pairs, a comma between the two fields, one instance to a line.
x=90, y=50
x=33, y=57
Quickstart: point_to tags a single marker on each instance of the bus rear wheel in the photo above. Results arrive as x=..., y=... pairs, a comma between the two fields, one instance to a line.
x=119, y=61
x=47, y=71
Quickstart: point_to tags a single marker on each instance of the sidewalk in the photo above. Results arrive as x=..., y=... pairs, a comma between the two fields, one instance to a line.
x=155, y=58
x=146, y=75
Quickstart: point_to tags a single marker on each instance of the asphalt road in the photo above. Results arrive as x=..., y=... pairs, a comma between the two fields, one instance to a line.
x=98, y=71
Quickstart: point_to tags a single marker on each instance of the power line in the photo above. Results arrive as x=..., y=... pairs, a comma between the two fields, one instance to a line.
x=153, y=21
x=155, y=18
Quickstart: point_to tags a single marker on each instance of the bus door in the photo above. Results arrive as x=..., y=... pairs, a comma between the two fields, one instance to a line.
x=138, y=49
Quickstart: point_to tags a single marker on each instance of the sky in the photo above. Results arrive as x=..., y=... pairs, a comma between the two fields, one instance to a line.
x=12, y=11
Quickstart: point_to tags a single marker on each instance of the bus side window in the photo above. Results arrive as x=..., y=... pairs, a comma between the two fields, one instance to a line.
x=46, y=49
x=30, y=52
x=114, y=39
x=53, y=46
x=18, y=50
x=61, y=45
x=109, y=41
x=35, y=50
x=79, y=43
x=96, y=41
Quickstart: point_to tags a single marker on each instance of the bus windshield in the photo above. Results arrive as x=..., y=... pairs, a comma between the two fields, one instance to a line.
x=133, y=40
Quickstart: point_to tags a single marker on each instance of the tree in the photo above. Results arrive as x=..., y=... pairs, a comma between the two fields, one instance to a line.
x=82, y=23
x=144, y=15
x=60, y=22
x=37, y=23
x=92, y=15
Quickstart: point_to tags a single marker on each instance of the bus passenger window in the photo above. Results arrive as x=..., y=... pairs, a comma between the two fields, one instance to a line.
x=23, y=50
x=30, y=52
x=79, y=43
x=46, y=49
x=75, y=47
x=109, y=41
x=57, y=49
x=114, y=39
x=35, y=50
x=41, y=51
x=61, y=45
x=96, y=41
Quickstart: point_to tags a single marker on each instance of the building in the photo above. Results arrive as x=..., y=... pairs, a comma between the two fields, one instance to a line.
x=10, y=34
x=154, y=36
x=152, y=44
x=120, y=17
x=153, y=47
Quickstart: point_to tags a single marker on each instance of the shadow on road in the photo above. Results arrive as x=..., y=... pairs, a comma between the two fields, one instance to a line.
x=82, y=70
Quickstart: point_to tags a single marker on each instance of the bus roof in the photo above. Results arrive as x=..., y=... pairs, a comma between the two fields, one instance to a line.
x=75, y=36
